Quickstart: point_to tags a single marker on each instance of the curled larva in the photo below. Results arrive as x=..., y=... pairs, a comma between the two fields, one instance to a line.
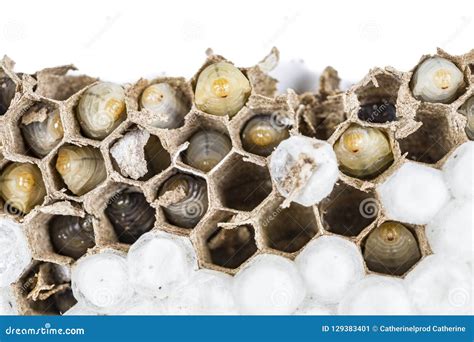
x=7, y=92
x=206, y=149
x=468, y=111
x=437, y=80
x=262, y=134
x=363, y=152
x=101, y=109
x=188, y=201
x=130, y=215
x=22, y=188
x=43, y=136
x=71, y=235
x=391, y=248
x=81, y=168
x=222, y=89
x=166, y=106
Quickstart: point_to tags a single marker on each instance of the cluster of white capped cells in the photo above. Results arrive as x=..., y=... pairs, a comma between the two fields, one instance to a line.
x=160, y=275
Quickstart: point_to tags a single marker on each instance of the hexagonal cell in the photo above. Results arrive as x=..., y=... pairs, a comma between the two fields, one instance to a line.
x=220, y=88
x=467, y=109
x=129, y=214
x=183, y=199
x=320, y=119
x=21, y=188
x=207, y=147
x=438, y=80
x=162, y=102
x=41, y=129
x=377, y=101
x=262, y=133
x=45, y=289
x=71, y=236
x=79, y=169
x=242, y=185
x=100, y=109
x=62, y=232
x=430, y=142
x=7, y=92
x=139, y=155
x=288, y=229
x=56, y=84
x=347, y=210
x=227, y=247
x=391, y=248
x=230, y=248
x=364, y=152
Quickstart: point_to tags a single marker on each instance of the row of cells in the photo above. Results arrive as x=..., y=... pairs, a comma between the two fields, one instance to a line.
x=362, y=152
x=390, y=248
x=222, y=89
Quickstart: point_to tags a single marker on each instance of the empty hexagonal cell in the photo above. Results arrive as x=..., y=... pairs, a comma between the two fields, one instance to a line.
x=242, y=185
x=347, y=210
x=21, y=188
x=41, y=128
x=45, y=289
x=207, y=147
x=7, y=92
x=377, y=102
x=320, y=120
x=391, y=248
x=129, y=214
x=79, y=169
x=139, y=155
x=230, y=248
x=430, y=142
x=227, y=247
x=262, y=133
x=288, y=229
x=163, y=103
x=183, y=200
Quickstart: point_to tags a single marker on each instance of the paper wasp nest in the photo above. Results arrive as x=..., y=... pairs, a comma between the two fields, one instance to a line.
x=88, y=167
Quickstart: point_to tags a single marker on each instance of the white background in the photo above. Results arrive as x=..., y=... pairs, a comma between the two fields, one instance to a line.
x=124, y=40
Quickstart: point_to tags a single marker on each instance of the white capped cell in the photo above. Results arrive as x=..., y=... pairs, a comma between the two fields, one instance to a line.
x=159, y=262
x=268, y=285
x=414, y=193
x=330, y=265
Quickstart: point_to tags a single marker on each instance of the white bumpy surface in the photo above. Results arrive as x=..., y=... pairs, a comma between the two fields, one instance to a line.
x=377, y=295
x=100, y=281
x=160, y=262
x=330, y=265
x=15, y=254
x=414, y=193
x=269, y=284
